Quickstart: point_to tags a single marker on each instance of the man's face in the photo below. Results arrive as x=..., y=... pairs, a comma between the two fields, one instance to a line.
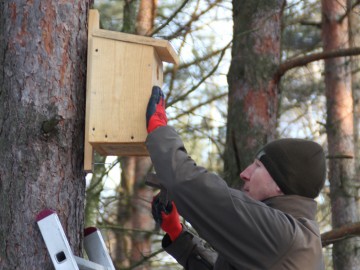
x=259, y=184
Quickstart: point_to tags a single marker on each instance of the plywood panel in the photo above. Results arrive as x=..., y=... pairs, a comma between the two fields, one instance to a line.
x=120, y=90
x=163, y=47
x=126, y=149
x=88, y=149
x=122, y=69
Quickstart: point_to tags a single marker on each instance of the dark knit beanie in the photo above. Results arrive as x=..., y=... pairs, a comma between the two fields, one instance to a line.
x=297, y=166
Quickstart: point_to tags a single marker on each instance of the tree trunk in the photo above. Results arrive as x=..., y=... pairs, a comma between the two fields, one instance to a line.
x=42, y=86
x=343, y=191
x=134, y=204
x=146, y=17
x=130, y=11
x=134, y=216
x=123, y=243
x=253, y=91
x=354, y=37
x=141, y=219
x=124, y=209
x=141, y=201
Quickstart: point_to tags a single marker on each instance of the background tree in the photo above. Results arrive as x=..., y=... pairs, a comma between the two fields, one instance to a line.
x=304, y=60
x=353, y=11
x=42, y=83
x=344, y=187
x=193, y=92
x=42, y=86
x=253, y=88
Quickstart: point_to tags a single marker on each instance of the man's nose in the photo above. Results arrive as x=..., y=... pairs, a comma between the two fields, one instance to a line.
x=244, y=175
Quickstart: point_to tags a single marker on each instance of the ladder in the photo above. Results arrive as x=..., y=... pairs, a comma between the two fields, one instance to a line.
x=60, y=251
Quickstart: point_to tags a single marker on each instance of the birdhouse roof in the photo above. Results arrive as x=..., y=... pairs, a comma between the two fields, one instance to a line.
x=163, y=47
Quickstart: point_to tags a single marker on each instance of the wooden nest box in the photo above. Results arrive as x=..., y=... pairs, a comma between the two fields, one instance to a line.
x=121, y=71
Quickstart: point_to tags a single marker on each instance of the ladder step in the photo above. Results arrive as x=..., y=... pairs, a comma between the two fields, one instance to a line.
x=59, y=247
x=56, y=241
x=88, y=265
x=96, y=249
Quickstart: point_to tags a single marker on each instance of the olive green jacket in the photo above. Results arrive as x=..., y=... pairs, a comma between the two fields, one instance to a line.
x=279, y=233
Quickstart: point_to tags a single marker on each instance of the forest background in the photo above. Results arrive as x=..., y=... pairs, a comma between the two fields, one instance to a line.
x=249, y=72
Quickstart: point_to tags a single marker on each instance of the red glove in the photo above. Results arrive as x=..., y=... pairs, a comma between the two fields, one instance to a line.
x=167, y=217
x=171, y=223
x=155, y=113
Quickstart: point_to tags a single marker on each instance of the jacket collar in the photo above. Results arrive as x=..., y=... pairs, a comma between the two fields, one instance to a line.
x=295, y=205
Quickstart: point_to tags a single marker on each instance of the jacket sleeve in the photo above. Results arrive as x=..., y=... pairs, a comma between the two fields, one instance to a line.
x=190, y=251
x=237, y=227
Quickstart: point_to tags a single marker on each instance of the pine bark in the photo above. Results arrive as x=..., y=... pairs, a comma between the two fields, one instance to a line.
x=354, y=37
x=253, y=88
x=146, y=17
x=42, y=84
x=340, y=133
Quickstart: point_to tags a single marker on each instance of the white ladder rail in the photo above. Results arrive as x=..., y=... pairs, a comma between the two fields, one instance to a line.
x=59, y=249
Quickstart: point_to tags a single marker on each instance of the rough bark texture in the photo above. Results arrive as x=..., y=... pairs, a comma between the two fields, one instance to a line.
x=343, y=185
x=42, y=86
x=253, y=91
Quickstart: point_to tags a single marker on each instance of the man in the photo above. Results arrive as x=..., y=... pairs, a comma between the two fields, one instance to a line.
x=270, y=224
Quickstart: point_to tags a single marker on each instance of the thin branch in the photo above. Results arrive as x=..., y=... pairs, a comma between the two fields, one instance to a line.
x=303, y=61
x=197, y=60
x=100, y=177
x=122, y=229
x=344, y=232
x=193, y=18
x=310, y=23
x=215, y=141
x=182, y=97
x=170, y=18
x=174, y=70
x=318, y=24
x=143, y=260
x=348, y=11
x=198, y=106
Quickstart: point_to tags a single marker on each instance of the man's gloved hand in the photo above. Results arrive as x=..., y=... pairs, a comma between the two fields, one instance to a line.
x=167, y=217
x=155, y=113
